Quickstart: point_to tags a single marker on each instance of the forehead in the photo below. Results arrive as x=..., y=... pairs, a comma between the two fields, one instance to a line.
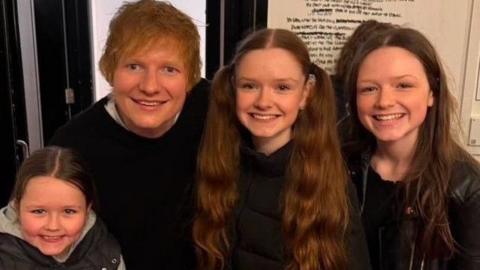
x=47, y=190
x=170, y=47
x=394, y=61
x=272, y=61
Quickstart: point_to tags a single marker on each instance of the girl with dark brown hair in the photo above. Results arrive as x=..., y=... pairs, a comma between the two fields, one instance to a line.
x=51, y=221
x=419, y=189
x=272, y=187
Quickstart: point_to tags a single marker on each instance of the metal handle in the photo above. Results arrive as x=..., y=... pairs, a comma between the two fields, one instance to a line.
x=25, y=149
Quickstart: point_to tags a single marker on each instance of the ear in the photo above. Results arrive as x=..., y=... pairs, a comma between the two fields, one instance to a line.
x=431, y=99
x=307, y=88
x=16, y=209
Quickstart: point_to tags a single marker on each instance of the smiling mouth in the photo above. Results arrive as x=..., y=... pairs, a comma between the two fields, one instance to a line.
x=263, y=116
x=48, y=238
x=149, y=103
x=388, y=117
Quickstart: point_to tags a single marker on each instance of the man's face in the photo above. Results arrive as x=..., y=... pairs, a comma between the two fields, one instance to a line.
x=149, y=88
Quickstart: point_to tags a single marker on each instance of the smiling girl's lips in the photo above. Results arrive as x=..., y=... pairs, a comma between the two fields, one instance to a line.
x=388, y=117
x=52, y=239
x=263, y=116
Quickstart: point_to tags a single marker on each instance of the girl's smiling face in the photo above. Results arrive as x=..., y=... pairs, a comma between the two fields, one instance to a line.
x=52, y=214
x=393, y=95
x=271, y=89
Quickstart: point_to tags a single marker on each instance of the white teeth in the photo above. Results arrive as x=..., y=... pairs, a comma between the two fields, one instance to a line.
x=51, y=237
x=263, y=116
x=149, y=103
x=386, y=117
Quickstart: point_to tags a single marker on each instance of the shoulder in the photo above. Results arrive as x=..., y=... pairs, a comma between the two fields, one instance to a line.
x=194, y=111
x=18, y=254
x=99, y=246
x=201, y=87
x=198, y=97
x=465, y=183
x=10, y=245
x=99, y=236
x=81, y=123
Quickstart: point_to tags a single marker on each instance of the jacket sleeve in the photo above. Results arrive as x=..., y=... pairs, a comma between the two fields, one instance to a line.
x=465, y=225
x=358, y=257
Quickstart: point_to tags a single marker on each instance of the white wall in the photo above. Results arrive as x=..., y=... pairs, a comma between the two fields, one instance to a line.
x=102, y=11
x=470, y=101
x=452, y=27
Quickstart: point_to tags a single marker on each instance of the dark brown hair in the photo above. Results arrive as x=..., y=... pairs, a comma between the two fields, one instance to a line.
x=363, y=31
x=61, y=163
x=138, y=25
x=437, y=149
x=315, y=205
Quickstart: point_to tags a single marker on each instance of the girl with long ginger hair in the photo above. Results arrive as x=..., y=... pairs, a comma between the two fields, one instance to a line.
x=272, y=187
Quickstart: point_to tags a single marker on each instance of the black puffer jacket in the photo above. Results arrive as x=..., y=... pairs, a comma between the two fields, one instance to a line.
x=396, y=240
x=258, y=238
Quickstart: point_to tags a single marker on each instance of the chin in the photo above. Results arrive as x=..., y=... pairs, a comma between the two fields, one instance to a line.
x=262, y=135
x=55, y=252
x=389, y=138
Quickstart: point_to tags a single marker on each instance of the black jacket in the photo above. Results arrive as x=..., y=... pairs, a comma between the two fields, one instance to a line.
x=257, y=235
x=97, y=250
x=397, y=240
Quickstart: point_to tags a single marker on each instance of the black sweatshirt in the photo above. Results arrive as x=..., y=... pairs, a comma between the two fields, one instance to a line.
x=144, y=185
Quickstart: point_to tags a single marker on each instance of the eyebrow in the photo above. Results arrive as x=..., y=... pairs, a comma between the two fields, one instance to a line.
x=394, y=77
x=275, y=80
x=31, y=206
x=406, y=75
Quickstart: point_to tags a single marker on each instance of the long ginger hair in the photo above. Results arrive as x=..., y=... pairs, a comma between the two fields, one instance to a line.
x=315, y=205
x=437, y=150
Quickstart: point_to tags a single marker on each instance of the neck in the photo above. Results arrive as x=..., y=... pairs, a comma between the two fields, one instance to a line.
x=266, y=146
x=392, y=160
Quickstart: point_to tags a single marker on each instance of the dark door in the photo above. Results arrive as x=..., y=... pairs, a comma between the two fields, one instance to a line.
x=12, y=106
x=63, y=46
x=59, y=49
x=229, y=21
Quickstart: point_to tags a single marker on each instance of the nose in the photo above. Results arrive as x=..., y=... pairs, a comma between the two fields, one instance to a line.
x=264, y=99
x=385, y=98
x=149, y=84
x=53, y=222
